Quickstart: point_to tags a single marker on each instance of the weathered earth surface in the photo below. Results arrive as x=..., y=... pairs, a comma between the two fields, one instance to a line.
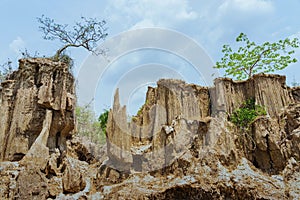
x=37, y=87
x=181, y=144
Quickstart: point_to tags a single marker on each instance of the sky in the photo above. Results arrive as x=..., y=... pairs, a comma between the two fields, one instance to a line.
x=148, y=40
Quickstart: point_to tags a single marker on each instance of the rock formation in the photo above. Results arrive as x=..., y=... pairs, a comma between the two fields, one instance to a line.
x=175, y=113
x=183, y=136
x=180, y=145
x=39, y=86
x=37, y=117
x=171, y=113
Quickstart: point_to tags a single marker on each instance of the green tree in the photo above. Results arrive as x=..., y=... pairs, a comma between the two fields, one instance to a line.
x=251, y=58
x=88, y=126
x=85, y=33
x=103, y=120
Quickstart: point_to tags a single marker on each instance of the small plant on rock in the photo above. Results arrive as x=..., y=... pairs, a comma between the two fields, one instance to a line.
x=67, y=59
x=244, y=116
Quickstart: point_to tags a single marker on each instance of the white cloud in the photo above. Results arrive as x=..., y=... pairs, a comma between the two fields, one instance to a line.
x=17, y=44
x=225, y=20
x=146, y=23
x=244, y=13
x=256, y=6
x=145, y=13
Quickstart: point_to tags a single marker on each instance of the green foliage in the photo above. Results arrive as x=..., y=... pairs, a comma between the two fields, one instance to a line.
x=103, y=120
x=251, y=58
x=140, y=111
x=246, y=114
x=88, y=126
x=66, y=59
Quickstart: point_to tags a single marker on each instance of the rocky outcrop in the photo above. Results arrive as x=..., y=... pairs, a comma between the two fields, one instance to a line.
x=38, y=87
x=268, y=90
x=183, y=131
x=73, y=179
x=37, y=117
x=170, y=114
x=180, y=145
x=296, y=93
x=175, y=113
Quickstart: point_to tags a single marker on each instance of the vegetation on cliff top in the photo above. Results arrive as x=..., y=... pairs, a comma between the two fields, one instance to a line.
x=251, y=58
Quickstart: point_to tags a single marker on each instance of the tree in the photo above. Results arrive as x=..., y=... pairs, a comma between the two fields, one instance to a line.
x=85, y=33
x=88, y=126
x=103, y=120
x=251, y=58
x=5, y=70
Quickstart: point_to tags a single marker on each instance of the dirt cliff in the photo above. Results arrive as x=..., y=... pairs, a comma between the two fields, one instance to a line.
x=181, y=144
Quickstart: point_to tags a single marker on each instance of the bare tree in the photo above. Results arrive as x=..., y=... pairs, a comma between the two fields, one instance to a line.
x=5, y=70
x=85, y=33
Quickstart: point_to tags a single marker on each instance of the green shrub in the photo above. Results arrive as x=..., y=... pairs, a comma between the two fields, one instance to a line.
x=247, y=113
x=140, y=111
x=103, y=120
x=67, y=59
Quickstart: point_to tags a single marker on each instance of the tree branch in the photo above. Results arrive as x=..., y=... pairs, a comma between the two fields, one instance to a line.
x=253, y=65
x=85, y=34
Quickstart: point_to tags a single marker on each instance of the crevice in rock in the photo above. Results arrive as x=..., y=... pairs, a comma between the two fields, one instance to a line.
x=37, y=82
x=54, y=75
x=57, y=139
x=255, y=163
x=51, y=196
x=269, y=154
x=167, y=106
x=18, y=156
x=63, y=168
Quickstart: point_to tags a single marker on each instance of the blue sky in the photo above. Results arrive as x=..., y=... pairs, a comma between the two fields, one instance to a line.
x=210, y=23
